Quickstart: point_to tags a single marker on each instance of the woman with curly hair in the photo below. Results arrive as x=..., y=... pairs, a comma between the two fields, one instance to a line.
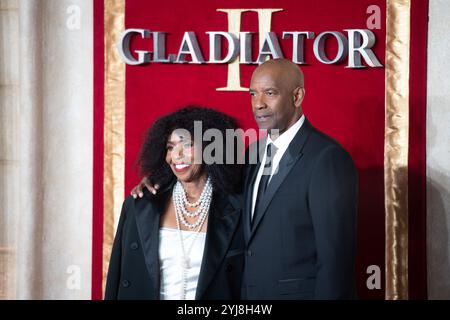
x=186, y=242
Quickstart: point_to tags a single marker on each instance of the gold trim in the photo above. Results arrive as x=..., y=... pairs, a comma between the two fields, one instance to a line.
x=114, y=127
x=396, y=148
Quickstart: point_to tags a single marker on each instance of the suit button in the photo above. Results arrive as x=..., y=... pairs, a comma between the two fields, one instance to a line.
x=125, y=283
x=134, y=246
x=250, y=253
x=229, y=268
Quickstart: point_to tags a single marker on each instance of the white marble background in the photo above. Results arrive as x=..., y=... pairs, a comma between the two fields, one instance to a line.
x=46, y=110
x=438, y=150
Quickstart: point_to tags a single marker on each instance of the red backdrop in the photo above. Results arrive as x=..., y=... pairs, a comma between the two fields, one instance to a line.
x=347, y=104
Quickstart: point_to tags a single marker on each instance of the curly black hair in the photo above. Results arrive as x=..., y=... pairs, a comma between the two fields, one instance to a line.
x=224, y=177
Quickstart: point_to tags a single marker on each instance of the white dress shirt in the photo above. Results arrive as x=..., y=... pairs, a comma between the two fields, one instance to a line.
x=281, y=143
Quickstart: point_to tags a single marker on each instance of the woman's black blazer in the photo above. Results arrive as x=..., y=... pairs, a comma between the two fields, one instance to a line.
x=134, y=271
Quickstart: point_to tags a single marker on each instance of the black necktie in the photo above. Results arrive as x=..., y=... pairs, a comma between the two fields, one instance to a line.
x=267, y=170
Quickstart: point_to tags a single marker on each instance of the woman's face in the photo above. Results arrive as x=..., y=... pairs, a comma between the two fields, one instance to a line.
x=183, y=157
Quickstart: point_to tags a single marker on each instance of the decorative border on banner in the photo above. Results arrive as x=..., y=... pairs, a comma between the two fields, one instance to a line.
x=396, y=147
x=114, y=127
x=97, y=186
x=396, y=139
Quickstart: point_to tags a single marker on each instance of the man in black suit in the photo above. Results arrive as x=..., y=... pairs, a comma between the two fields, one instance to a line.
x=300, y=199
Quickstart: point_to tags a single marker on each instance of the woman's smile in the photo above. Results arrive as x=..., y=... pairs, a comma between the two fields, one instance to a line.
x=181, y=167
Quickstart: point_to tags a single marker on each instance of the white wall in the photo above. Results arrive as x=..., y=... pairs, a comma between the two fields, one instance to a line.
x=438, y=150
x=46, y=135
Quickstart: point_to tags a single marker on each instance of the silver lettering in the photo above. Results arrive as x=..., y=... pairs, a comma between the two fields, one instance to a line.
x=189, y=46
x=124, y=47
x=298, y=42
x=215, y=47
x=319, y=47
x=357, y=49
x=270, y=47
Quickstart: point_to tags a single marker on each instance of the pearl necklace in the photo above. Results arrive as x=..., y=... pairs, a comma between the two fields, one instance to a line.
x=204, y=203
x=180, y=203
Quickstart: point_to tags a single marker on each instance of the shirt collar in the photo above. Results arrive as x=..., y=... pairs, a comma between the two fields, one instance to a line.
x=283, y=141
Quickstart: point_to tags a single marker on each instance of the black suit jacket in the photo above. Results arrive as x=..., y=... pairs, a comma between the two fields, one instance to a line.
x=302, y=245
x=134, y=271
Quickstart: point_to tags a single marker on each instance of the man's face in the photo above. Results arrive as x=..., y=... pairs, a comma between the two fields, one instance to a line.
x=273, y=100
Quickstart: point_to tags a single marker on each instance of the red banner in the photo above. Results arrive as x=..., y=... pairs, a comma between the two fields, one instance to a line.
x=346, y=103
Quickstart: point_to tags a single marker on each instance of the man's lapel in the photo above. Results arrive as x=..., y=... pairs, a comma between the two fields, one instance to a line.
x=289, y=159
x=255, y=152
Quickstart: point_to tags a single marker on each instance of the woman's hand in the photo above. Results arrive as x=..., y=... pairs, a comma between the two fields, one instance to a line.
x=137, y=191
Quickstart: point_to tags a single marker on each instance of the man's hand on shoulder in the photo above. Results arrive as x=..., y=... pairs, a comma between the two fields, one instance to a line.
x=138, y=191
